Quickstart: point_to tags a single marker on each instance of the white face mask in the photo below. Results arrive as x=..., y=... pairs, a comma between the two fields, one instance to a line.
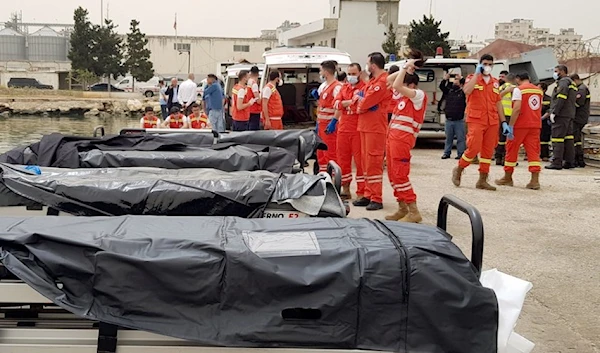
x=352, y=79
x=487, y=70
x=322, y=78
x=280, y=83
x=367, y=69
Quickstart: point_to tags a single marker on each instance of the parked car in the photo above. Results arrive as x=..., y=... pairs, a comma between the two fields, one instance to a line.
x=103, y=87
x=22, y=82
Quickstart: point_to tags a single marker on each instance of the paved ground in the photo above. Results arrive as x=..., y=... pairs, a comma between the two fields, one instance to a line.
x=550, y=237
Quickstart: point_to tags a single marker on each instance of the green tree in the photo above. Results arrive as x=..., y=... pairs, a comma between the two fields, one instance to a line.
x=107, y=51
x=427, y=36
x=138, y=56
x=82, y=40
x=391, y=45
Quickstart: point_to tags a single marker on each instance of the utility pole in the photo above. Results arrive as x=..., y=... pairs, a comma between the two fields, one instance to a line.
x=101, y=13
x=430, y=7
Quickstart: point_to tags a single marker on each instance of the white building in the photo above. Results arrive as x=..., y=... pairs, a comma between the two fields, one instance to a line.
x=567, y=43
x=354, y=26
x=172, y=55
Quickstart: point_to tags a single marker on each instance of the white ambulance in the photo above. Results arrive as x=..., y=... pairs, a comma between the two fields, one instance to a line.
x=300, y=67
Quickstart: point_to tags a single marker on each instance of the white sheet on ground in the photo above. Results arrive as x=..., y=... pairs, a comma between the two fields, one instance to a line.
x=511, y=293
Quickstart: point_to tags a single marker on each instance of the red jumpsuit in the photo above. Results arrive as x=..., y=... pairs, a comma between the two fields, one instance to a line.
x=405, y=125
x=326, y=112
x=372, y=125
x=527, y=130
x=348, y=137
x=483, y=121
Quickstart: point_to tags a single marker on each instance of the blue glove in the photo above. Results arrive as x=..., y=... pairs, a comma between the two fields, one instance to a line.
x=331, y=126
x=374, y=108
x=508, y=131
x=314, y=93
x=361, y=94
x=34, y=169
x=479, y=69
x=317, y=127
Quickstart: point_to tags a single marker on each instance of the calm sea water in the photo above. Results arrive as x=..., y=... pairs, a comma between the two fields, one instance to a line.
x=23, y=130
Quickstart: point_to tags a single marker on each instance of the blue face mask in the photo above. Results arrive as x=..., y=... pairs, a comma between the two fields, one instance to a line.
x=555, y=76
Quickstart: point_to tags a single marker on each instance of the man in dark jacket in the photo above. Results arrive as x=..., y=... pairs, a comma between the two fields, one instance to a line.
x=455, y=105
x=562, y=114
x=171, y=93
x=582, y=114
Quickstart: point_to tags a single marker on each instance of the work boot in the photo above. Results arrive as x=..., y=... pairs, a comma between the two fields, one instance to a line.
x=483, y=184
x=401, y=213
x=345, y=194
x=413, y=216
x=553, y=167
x=362, y=202
x=457, y=175
x=374, y=206
x=534, y=184
x=567, y=165
x=506, y=180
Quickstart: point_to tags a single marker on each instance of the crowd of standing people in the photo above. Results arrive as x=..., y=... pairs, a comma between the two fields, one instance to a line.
x=372, y=114
x=251, y=108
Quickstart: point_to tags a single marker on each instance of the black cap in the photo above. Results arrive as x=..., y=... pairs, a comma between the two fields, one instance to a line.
x=175, y=110
x=254, y=70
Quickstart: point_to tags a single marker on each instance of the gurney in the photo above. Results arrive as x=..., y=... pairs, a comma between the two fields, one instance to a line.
x=197, y=284
x=169, y=192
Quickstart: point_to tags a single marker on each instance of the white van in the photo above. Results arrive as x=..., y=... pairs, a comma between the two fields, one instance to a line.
x=430, y=77
x=300, y=70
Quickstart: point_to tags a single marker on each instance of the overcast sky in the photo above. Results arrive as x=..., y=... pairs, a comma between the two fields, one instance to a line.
x=247, y=18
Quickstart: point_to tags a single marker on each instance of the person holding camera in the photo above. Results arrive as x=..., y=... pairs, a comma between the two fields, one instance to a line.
x=456, y=103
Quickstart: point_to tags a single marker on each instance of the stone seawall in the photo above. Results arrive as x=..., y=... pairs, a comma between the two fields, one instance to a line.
x=57, y=106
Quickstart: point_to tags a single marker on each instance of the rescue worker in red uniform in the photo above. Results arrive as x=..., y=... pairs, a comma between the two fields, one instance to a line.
x=256, y=108
x=198, y=120
x=372, y=125
x=348, y=137
x=326, y=121
x=484, y=114
x=272, y=105
x=405, y=125
x=242, y=99
x=526, y=121
x=149, y=120
x=176, y=120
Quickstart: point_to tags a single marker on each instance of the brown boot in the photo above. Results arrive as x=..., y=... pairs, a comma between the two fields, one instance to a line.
x=413, y=216
x=506, y=180
x=456, y=175
x=345, y=194
x=483, y=184
x=534, y=184
x=401, y=213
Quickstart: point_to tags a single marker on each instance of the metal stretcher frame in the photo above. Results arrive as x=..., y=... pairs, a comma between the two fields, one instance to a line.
x=109, y=339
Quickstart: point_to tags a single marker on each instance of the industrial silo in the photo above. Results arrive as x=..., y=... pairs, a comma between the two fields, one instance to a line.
x=46, y=45
x=12, y=45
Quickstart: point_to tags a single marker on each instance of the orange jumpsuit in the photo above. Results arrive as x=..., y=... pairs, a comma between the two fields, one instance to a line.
x=326, y=112
x=527, y=130
x=372, y=125
x=405, y=125
x=348, y=138
x=274, y=106
x=483, y=121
